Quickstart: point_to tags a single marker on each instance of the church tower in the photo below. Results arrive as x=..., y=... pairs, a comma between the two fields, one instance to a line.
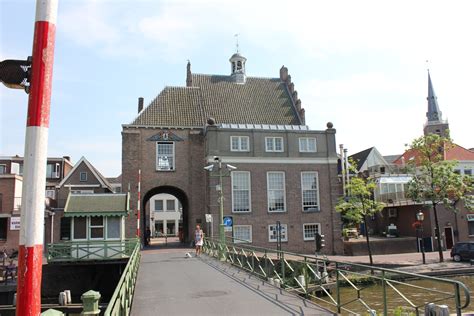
x=435, y=123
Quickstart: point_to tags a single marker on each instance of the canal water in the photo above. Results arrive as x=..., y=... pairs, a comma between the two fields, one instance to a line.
x=418, y=294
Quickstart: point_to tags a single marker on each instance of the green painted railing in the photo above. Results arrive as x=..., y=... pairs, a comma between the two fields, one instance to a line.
x=90, y=250
x=121, y=300
x=322, y=280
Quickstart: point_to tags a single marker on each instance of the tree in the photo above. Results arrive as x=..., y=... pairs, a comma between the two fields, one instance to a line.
x=435, y=181
x=360, y=203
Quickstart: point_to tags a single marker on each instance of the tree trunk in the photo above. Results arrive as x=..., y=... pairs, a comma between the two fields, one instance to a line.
x=368, y=242
x=438, y=234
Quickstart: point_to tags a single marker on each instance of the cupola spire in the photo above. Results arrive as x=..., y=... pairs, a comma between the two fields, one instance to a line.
x=237, y=63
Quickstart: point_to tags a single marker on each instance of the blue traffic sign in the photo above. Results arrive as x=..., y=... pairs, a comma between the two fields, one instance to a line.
x=228, y=221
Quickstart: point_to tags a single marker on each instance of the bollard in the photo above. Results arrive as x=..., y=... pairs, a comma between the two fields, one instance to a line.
x=52, y=312
x=90, y=303
x=430, y=309
x=14, y=299
x=277, y=283
x=62, y=299
x=442, y=310
x=271, y=281
x=68, y=297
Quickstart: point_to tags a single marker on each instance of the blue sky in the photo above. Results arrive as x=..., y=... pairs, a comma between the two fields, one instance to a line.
x=359, y=64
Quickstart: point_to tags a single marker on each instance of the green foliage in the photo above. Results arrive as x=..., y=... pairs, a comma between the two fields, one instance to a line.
x=435, y=179
x=360, y=201
x=400, y=311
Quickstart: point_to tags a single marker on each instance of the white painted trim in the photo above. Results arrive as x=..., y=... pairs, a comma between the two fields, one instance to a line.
x=279, y=160
x=319, y=230
x=240, y=143
x=306, y=139
x=286, y=233
x=156, y=155
x=317, y=191
x=90, y=167
x=82, y=186
x=274, y=150
x=284, y=193
x=47, y=10
x=238, y=241
x=250, y=191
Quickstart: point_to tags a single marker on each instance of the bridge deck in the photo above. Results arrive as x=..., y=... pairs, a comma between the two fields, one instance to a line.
x=171, y=284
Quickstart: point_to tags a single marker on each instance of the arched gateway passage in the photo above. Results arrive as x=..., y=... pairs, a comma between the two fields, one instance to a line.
x=176, y=192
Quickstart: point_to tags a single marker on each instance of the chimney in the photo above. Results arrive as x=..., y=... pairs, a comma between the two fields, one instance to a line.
x=189, y=76
x=67, y=158
x=302, y=116
x=140, y=104
x=283, y=73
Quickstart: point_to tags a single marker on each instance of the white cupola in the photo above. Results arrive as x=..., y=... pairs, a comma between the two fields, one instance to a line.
x=237, y=63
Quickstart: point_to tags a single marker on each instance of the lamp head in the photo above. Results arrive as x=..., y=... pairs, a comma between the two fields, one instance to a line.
x=420, y=216
x=231, y=168
x=209, y=168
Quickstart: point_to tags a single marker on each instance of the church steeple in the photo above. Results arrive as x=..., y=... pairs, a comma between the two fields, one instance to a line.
x=435, y=123
x=237, y=63
x=433, y=114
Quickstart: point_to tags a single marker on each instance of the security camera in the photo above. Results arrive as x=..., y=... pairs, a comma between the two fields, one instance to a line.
x=217, y=158
x=209, y=168
x=230, y=167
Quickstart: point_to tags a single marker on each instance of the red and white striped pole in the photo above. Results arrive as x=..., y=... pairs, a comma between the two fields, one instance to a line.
x=30, y=258
x=138, y=202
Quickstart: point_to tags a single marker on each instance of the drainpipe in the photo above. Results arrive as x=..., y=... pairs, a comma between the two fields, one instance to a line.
x=346, y=168
x=341, y=153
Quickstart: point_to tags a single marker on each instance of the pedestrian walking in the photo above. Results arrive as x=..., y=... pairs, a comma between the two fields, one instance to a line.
x=147, y=236
x=198, y=239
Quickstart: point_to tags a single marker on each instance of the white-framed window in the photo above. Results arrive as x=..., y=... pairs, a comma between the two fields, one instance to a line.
x=96, y=227
x=241, y=196
x=273, y=144
x=165, y=156
x=239, y=143
x=158, y=205
x=310, y=191
x=3, y=169
x=114, y=224
x=276, y=191
x=50, y=194
x=307, y=144
x=470, y=224
x=83, y=176
x=170, y=206
x=79, y=228
x=310, y=230
x=273, y=234
x=468, y=172
x=242, y=233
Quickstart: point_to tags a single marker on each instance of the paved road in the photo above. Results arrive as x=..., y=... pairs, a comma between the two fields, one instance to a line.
x=171, y=284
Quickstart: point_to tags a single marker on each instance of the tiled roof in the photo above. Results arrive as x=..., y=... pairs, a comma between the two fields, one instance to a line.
x=174, y=106
x=258, y=101
x=96, y=204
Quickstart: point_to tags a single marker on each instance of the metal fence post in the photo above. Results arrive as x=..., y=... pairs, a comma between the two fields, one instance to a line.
x=338, y=294
x=384, y=293
x=282, y=262
x=457, y=297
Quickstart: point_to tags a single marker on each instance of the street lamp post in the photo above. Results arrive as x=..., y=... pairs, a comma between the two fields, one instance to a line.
x=220, y=173
x=420, y=217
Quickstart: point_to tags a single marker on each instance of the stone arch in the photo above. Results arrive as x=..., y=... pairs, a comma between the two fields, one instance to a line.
x=178, y=193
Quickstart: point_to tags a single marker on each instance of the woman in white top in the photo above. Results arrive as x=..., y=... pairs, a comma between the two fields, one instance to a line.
x=198, y=239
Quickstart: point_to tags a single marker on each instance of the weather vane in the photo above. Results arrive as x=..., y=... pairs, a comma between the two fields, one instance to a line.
x=237, y=41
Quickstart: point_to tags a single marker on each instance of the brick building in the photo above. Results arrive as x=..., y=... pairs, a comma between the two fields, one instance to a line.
x=11, y=179
x=278, y=168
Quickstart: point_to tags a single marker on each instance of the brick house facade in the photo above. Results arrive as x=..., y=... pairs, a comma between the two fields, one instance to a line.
x=255, y=125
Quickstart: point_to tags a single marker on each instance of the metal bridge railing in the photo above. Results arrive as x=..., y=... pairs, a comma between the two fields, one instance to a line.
x=323, y=280
x=70, y=251
x=121, y=300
